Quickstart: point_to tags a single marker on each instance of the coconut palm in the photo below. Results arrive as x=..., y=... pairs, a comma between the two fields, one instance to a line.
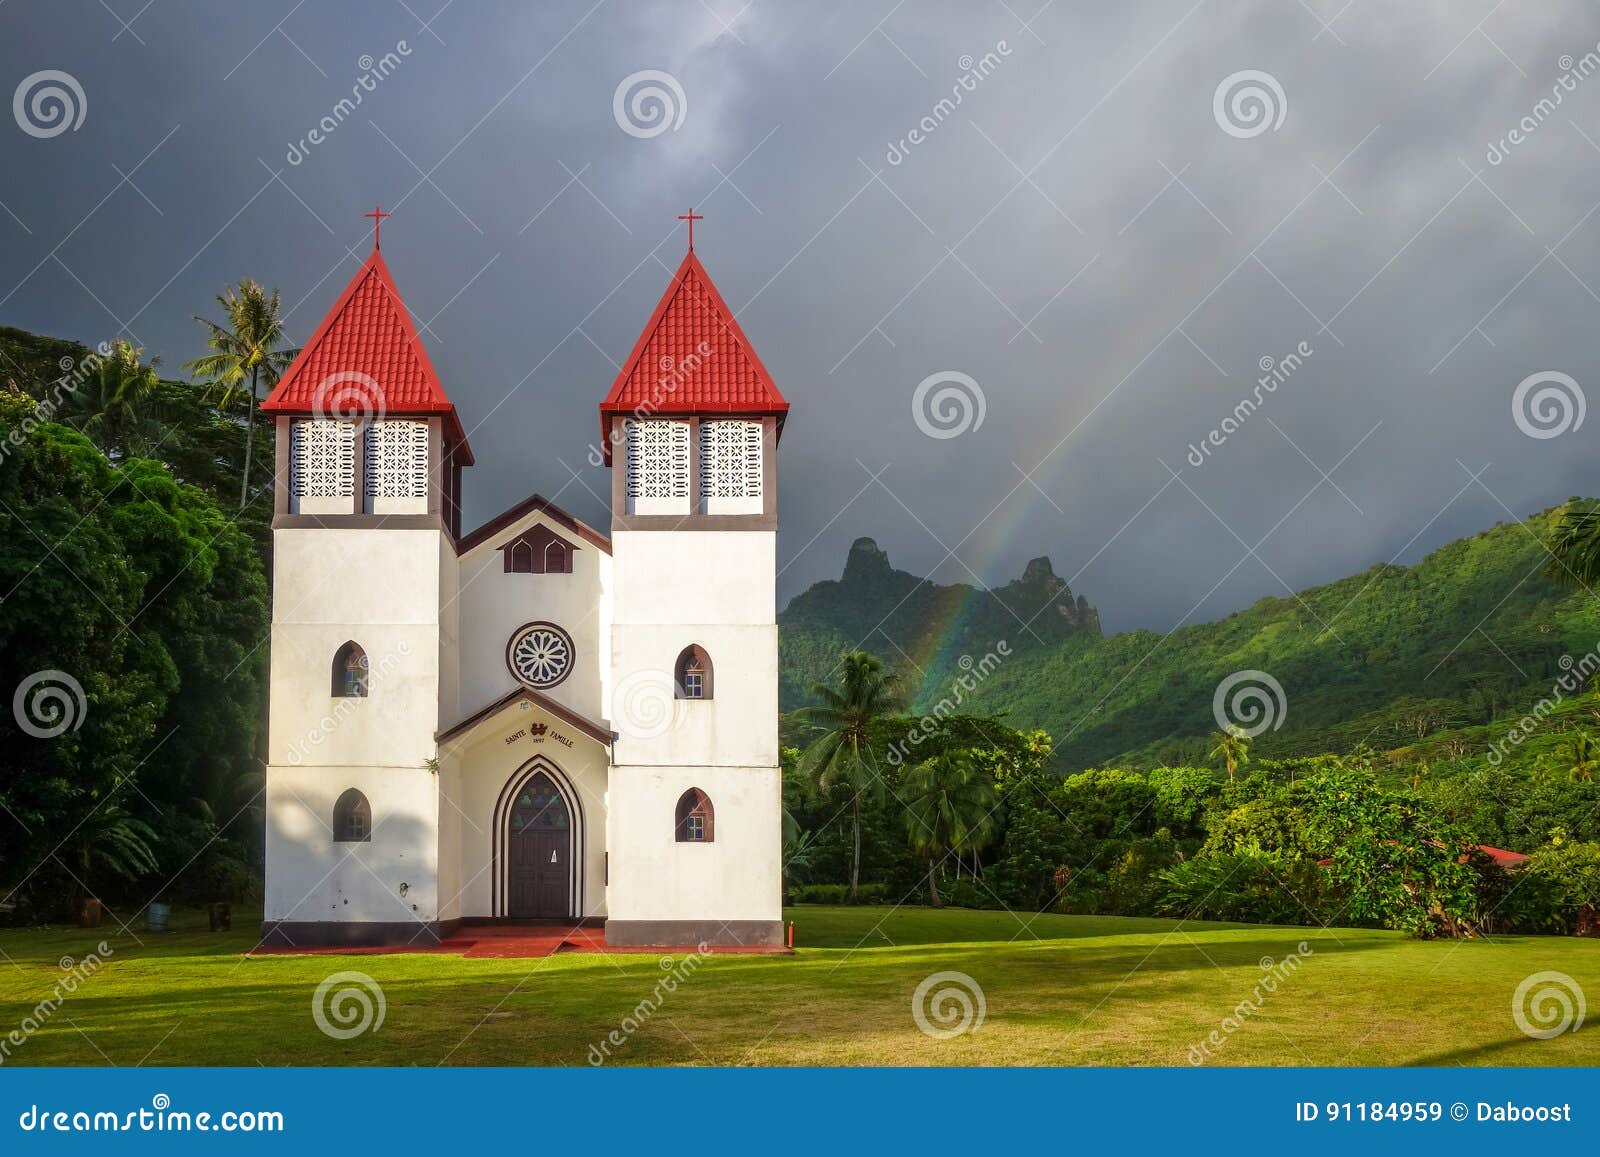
x=950, y=806
x=1581, y=755
x=117, y=399
x=1233, y=746
x=843, y=753
x=111, y=844
x=1574, y=546
x=248, y=352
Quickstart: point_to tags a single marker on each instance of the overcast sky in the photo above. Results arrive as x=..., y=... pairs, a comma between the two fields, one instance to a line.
x=1099, y=246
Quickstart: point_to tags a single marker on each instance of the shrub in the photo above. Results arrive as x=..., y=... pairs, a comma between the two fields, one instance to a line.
x=837, y=894
x=1246, y=887
x=1568, y=876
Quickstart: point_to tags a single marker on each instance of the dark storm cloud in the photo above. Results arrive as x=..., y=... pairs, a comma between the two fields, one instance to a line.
x=1077, y=234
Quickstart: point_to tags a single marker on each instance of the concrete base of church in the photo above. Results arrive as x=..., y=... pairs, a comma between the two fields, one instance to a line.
x=353, y=934
x=686, y=933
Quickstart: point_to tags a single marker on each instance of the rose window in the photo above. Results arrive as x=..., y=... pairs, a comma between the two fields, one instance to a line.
x=540, y=655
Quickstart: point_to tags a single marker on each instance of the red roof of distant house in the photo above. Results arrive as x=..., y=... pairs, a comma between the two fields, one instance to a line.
x=692, y=358
x=1502, y=857
x=366, y=358
x=1499, y=855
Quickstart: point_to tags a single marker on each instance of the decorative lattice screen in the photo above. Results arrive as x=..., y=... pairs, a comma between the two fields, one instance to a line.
x=658, y=459
x=322, y=458
x=397, y=459
x=730, y=459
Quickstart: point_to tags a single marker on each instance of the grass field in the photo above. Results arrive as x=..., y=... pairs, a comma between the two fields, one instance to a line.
x=1066, y=990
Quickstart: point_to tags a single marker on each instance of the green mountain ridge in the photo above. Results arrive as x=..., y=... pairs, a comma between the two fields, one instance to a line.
x=1394, y=657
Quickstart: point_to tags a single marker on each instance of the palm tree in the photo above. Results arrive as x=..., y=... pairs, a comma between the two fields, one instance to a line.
x=843, y=753
x=117, y=398
x=1581, y=755
x=1574, y=546
x=249, y=347
x=111, y=844
x=950, y=804
x=1233, y=745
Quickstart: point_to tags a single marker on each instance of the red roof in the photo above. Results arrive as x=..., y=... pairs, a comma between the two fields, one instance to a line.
x=1502, y=857
x=692, y=358
x=367, y=359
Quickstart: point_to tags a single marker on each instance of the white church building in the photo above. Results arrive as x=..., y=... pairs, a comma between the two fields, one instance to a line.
x=533, y=720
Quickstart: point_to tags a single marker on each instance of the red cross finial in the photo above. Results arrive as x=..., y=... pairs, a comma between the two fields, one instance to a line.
x=377, y=216
x=691, y=216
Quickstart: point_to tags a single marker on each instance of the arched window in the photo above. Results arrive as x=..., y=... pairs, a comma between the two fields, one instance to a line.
x=555, y=558
x=693, y=673
x=696, y=819
x=352, y=818
x=521, y=558
x=350, y=672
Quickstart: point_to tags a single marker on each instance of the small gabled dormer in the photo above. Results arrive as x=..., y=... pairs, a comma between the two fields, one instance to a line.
x=537, y=550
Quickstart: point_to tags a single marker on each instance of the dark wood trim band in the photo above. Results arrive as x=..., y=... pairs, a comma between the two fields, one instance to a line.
x=689, y=933
x=356, y=934
x=360, y=522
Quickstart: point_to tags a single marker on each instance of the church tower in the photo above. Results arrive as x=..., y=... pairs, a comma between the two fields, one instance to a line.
x=364, y=668
x=690, y=430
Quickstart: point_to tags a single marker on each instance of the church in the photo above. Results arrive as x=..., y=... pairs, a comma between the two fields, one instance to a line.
x=532, y=720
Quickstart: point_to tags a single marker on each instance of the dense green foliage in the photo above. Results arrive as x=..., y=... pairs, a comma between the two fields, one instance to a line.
x=985, y=821
x=119, y=573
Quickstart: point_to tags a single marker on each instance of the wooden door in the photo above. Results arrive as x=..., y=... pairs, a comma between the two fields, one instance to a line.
x=540, y=846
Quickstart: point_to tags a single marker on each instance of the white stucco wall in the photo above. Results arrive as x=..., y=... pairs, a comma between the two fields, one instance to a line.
x=475, y=773
x=380, y=587
x=736, y=876
x=493, y=604
x=310, y=878
x=737, y=727
x=716, y=589
x=695, y=576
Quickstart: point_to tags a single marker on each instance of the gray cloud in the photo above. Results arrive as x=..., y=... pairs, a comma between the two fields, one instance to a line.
x=1425, y=293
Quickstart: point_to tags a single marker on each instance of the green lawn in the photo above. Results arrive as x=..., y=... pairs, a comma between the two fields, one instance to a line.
x=1065, y=990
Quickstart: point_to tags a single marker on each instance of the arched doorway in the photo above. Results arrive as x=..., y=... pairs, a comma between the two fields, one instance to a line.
x=540, y=838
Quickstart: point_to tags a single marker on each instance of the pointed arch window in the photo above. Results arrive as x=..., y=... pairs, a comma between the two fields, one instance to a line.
x=692, y=674
x=350, y=672
x=352, y=818
x=696, y=820
x=538, y=550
